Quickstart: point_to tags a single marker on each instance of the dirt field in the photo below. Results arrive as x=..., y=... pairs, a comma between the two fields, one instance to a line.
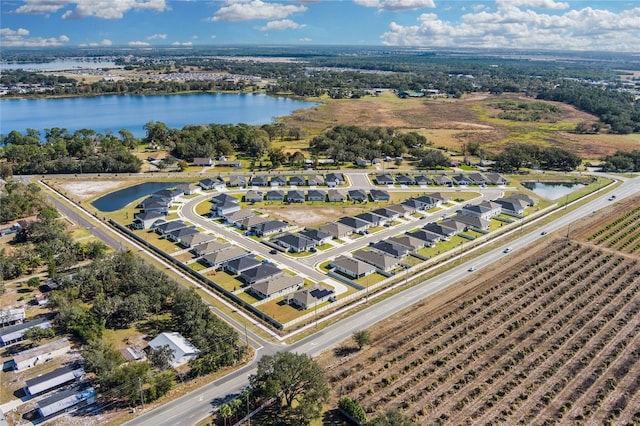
x=449, y=123
x=310, y=216
x=555, y=341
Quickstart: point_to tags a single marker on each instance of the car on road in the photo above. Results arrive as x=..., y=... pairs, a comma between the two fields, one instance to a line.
x=543, y=233
x=508, y=250
x=473, y=268
x=273, y=251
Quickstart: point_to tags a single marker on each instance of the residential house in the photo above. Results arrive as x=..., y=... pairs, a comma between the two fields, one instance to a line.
x=156, y=205
x=320, y=237
x=223, y=199
x=531, y=201
x=316, y=180
x=386, y=213
x=278, y=181
x=405, y=179
x=372, y=218
x=40, y=354
x=297, y=181
x=277, y=286
x=225, y=163
x=473, y=222
x=461, y=179
x=316, y=195
x=133, y=353
x=220, y=258
x=238, y=216
x=237, y=181
x=334, y=179
x=442, y=180
x=249, y=222
x=268, y=228
x=274, y=195
x=430, y=238
x=414, y=204
x=66, y=399
x=336, y=195
x=177, y=234
x=459, y=226
x=428, y=201
x=379, y=195
x=411, y=243
x=188, y=188
x=384, y=179
x=53, y=380
x=336, y=230
x=164, y=228
x=253, y=196
x=202, y=162
x=12, y=316
x=353, y=268
x=496, y=179
x=171, y=194
x=294, y=242
x=224, y=208
x=392, y=249
x=383, y=262
x=401, y=209
x=182, y=351
x=358, y=225
x=478, y=179
x=208, y=183
x=444, y=231
x=15, y=333
x=241, y=264
x=208, y=247
x=357, y=195
x=423, y=180
x=361, y=162
x=260, y=273
x=485, y=209
x=259, y=180
x=310, y=297
x=295, y=196
x=438, y=196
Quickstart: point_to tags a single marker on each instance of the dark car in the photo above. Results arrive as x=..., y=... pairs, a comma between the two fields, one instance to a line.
x=273, y=251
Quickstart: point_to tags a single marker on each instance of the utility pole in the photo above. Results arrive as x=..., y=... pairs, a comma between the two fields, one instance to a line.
x=141, y=394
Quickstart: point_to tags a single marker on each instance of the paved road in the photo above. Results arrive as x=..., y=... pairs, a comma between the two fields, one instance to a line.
x=201, y=403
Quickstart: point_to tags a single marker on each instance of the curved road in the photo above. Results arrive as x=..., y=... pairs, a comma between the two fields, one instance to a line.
x=201, y=403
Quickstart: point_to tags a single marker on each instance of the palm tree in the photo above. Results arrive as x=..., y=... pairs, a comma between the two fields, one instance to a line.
x=225, y=412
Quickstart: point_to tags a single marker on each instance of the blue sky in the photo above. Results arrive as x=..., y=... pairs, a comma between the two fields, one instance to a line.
x=523, y=24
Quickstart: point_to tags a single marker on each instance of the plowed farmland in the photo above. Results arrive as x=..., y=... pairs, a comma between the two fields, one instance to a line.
x=553, y=338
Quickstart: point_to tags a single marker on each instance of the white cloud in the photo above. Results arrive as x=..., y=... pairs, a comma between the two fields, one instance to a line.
x=283, y=24
x=19, y=38
x=539, y=4
x=243, y=10
x=157, y=36
x=214, y=36
x=138, y=44
x=78, y=9
x=397, y=4
x=478, y=7
x=178, y=43
x=510, y=27
x=305, y=40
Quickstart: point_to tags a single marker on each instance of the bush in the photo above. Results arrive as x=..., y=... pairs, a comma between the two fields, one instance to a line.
x=353, y=409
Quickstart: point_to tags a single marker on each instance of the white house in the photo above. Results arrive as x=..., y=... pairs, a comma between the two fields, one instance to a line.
x=40, y=354
x=183, y=351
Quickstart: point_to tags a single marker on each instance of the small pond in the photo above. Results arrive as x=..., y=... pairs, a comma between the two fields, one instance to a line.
x=552, y=190
x=119, y=199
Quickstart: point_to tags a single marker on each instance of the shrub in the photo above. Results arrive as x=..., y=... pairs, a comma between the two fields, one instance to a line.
x=353, y=409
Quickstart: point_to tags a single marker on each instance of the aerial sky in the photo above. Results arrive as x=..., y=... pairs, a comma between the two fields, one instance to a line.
x=612, y=26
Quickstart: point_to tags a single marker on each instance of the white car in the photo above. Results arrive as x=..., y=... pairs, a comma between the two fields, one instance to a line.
x=508, y=250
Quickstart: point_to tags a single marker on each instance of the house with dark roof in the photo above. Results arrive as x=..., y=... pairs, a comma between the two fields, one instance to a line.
x=253, y=196
x=275, y=195
x=224, y=198
x=277, y=286
x=15, y=333
x=454, y=224
x=53, y=380
x=442, y=180
x=392, y=249
x=238, y=216
x=209, y=247
x=531, y=201
x=336, y=195
x=237, y=181
x=334, y=179
x=202, y=161
x=294, y=242
x=241, y=264
x=411, y=243
x=295, y=196
x=320, y=237
x=357, y=195
x=384, y=179
x=177, y=234
x=316, y=195
x=171, y=194
x=259, y=180
x=379, y=195
x=478, y=178
x=351, y=267
x=310, y=297
x=438, y=196
x=473, y=222
x=78, y=396
x=249, y=222
x=405, y=179
x=316, y=180
x=485, y=209
x=144, y=220
x=155, y=204
x=423, y=180
x=297, y=181
x=430, y=238
x=220, y=258
x=401, y=209
x=208, y=183
x=496, y=179
x=358, y=225
x=166, y=227
x=336, y=230
x=196, y=239
x=268, y=228
x=372, y=218
x=428, y=201
x=188, y=188
x=278, y=181
x=387, y=213
x=443, y=231
x=461, y=179
x=260, y=273
x=414, y=204
x=224, y=208
x=383, y=262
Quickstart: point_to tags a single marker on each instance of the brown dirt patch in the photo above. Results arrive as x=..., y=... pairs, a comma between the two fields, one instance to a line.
x=311, y=215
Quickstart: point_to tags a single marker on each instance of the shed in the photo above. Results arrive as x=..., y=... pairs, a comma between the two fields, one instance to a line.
x=40, y=354
x=66, y=399
x=54, y=379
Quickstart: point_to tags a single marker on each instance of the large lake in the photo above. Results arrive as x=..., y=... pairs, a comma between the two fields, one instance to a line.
x=131, y=112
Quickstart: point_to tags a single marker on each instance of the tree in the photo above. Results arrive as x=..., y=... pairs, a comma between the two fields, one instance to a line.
x=225, y=412
x=362, y=338
x=160, y=357
x=182, y=165
x=296, y=379
x=36, y=333
x=393, y=417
